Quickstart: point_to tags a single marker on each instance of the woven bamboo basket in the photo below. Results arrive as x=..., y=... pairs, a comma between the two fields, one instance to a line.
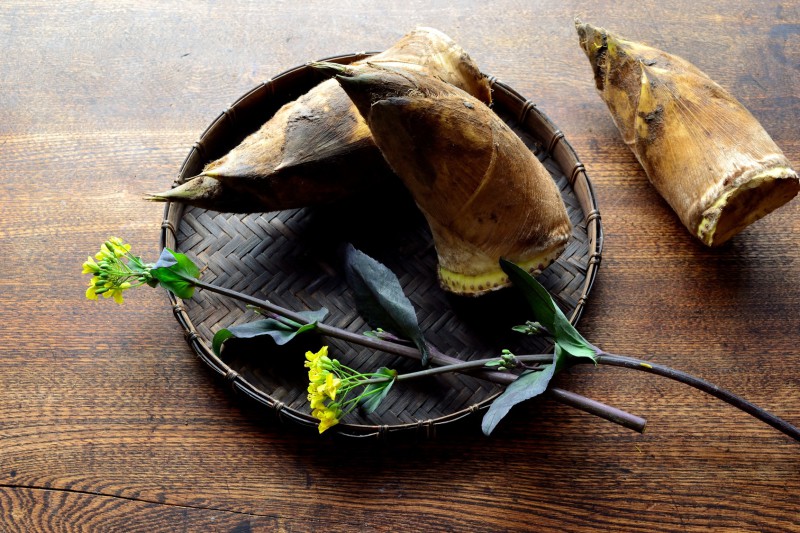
x=291, y=258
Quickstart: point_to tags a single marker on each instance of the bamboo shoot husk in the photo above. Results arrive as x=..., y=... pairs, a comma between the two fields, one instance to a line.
x=707, y=156
x=483, y=192
x=318, y=149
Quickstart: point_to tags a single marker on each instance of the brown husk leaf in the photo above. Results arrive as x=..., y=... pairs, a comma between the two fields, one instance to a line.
x=318, y=149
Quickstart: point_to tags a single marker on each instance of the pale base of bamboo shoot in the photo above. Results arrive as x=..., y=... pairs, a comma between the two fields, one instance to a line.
x=466, y=285
x=757, y=195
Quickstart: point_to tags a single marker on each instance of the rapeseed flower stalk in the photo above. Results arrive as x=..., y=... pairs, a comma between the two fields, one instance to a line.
x=330, y=383
x=114, y=270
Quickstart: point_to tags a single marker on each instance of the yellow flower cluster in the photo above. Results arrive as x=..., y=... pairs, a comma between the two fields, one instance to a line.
x=322, y=389
x=112, y=248
x=107, y=289
x=109, y=274
x=330, y=382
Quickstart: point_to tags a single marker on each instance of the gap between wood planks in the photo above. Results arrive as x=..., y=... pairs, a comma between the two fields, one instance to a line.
x=133, y=499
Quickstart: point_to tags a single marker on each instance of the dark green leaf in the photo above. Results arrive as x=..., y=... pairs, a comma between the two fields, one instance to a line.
x=548, y=313
x=380, y=298
x=561, y=358
x=173, y=283
x=220, y=337
x=305, y=327
x=537, y=296
x=279, y=331
x=312, y=317
x=529, y=385
x=378, y=391
x=573, y=342
x=171, y=269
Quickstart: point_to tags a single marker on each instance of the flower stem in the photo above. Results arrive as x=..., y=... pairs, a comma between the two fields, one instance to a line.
x=564, y=397
x=448, y=364
x=703, y=385
x=572, y=399
x=323, y=329
x=459, y=367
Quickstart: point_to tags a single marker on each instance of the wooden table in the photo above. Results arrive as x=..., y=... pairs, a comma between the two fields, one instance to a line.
x=108, y=421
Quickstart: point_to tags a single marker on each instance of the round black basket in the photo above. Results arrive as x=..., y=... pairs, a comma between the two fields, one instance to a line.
x=292, y=259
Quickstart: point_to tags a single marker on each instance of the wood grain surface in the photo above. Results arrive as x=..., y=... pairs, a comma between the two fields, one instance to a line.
x=109, y=422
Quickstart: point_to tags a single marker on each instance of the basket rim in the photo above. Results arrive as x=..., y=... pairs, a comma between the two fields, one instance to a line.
x=173, y=212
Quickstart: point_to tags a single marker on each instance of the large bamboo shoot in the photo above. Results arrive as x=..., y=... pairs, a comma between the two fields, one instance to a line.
x=482, y=191
x=702, y=150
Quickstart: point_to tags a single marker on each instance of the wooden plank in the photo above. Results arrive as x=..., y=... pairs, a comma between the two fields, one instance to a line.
x=108, y=421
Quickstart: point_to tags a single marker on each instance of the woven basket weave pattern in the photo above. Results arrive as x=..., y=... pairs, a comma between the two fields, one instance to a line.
x=293, y=259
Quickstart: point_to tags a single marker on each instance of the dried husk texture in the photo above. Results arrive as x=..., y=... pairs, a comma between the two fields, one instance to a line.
x=483, y=192
x=318, y=149
x=703, y=151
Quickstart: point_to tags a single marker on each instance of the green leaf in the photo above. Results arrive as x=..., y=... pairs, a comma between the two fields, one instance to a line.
x=528, y=385
x=573, y=342
x=376, y=392
x=568, y=343
x=380, y=298
x=177, y=263
x=537, y=296
x=280, y=332
x=548, y=313
x=220, y=337
x=311, y=318
x=171, y=269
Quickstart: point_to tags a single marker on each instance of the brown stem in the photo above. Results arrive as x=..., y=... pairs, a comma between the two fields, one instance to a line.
x=705, y=386
x=438, y=358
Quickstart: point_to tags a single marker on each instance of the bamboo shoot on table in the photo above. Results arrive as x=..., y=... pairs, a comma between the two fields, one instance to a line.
x=707, y=156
